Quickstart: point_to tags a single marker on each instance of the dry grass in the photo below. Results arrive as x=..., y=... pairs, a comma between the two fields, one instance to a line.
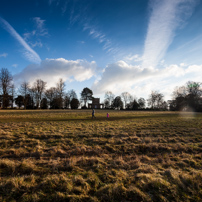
x=64, y=155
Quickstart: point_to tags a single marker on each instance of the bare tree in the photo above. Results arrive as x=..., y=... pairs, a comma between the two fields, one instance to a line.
x=164, y=105
x=24, y=90
x=72, y=94
x=66, y=101
x=31, y=97
x=5, y=84
x=50, y=94
x=194, y=88
x=60, y=92
x=61, y=87
x=126, y=97
x=179, y=92
x=109, y=97
x=159, y=100
x=152, y=99
x=12, y=91
x=155, y=100
x=39, y=87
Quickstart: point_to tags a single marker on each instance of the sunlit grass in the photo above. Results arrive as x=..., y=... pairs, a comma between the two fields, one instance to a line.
x=64, y=155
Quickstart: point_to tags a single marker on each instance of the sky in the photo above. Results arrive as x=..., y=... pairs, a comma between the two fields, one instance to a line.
x=135, y=46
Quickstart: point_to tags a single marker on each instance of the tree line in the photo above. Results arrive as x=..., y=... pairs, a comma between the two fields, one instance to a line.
x=38, y=96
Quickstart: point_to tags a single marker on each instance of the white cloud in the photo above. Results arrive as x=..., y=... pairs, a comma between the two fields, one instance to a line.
x=4, y=55
x=29, y=53
x=121, y=76
x=50, y=70
x=166, y=18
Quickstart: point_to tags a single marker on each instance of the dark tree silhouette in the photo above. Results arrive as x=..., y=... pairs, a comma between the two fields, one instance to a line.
x=135, y=105
x=44, y=103
x=74, y=103
x=107, y=104
x=24, y=90
x=117, y=103
x=39, y=87
x=5, y=85
x=50, y=95
x=187, y=97
x=86, y=95
x=12, y=91
x=141, y=102
x=31, y=98
x=19, y=101
x=29, y=102
x=72, y=94
x=66, y=101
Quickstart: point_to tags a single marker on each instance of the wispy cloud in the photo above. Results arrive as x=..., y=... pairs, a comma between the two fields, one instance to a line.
x=51, y=1
x=39, y=31
x=79, y=13
x=37, y=43
x=40, y=26
x=4, y=55
x=29, y=53
x=81, y=42
x=64, y=7
x=101, y=37
x=15, y=65
x=166, y=18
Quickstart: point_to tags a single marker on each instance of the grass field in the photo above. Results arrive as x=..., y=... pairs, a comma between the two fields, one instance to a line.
x=64, y=155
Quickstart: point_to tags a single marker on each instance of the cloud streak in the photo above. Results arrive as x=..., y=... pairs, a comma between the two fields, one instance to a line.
x=166, y=18
x=102, y=38
x=29, y=53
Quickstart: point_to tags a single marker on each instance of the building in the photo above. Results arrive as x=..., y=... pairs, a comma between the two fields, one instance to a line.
x=95, y=104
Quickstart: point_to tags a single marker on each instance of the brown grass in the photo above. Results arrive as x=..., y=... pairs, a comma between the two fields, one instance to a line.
x=64, y=155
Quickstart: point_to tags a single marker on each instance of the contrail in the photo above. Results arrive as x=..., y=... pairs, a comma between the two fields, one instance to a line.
x=166, y=17
x=29, y=53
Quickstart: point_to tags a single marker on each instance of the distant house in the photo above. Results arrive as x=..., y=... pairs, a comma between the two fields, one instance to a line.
x=95, y=104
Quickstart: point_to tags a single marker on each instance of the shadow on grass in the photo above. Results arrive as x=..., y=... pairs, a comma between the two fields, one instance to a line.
x=89, y=119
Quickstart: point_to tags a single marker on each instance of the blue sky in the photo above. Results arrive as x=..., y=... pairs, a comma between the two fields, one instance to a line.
x=107, y=45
